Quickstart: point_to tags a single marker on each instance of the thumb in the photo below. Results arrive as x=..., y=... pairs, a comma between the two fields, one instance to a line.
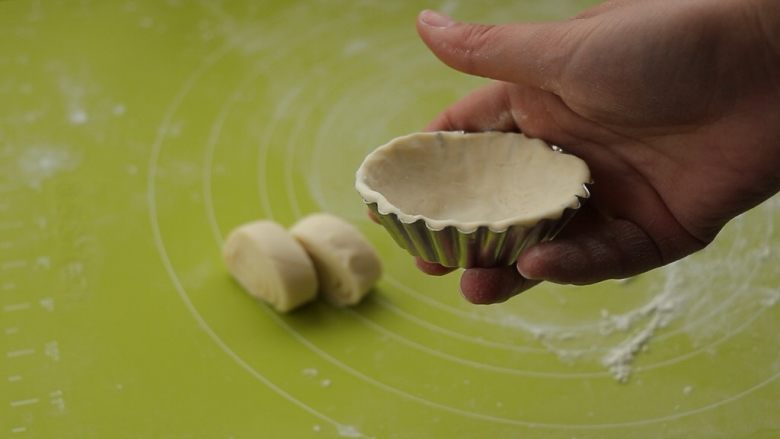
x=531, y=54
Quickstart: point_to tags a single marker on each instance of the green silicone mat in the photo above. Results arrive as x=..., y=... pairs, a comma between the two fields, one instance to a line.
x=135, y=134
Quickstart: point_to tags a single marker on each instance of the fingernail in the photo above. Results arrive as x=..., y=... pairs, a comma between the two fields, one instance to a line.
x=522, y=265
x=435, y=19
x=524, y=273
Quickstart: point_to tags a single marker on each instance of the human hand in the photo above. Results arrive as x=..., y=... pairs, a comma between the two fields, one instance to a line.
x=674, y=105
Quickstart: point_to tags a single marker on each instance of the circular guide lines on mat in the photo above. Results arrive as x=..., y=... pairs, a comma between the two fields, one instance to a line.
x=738, y=289
x=385, y=387
x=290, y=101
x=595, y=326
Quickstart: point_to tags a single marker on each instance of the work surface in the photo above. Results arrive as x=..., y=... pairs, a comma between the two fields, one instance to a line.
x=135, y=135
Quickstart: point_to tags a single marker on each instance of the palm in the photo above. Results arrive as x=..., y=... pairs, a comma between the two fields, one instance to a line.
x=626, y=215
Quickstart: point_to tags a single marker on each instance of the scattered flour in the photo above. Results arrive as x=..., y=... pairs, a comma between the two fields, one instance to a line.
x=771, y=298
x=39, y=163
x=146, y=22
x=354, y=47
x=78, y=116
x=310, y=372
x=619, y=359
x=660, y=310
x=708, y=296
x=348, y=431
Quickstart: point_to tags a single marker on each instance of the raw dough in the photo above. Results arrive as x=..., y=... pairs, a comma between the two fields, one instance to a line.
x=469, y=180
x=346, y=263
x=271, y=265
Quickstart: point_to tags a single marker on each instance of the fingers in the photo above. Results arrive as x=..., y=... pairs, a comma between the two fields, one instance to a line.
x=532, y=54
x=493, y=285
x=432, y=268
x=484, y=285
x=501, y=106
x=485, y=109
x=611, y=249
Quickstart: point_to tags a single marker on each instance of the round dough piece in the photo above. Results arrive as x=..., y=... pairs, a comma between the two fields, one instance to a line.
x=270, y=265
x=347, y=264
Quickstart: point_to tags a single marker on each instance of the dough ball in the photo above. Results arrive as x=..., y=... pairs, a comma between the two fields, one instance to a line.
x=347, y=264
x=271, y=265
